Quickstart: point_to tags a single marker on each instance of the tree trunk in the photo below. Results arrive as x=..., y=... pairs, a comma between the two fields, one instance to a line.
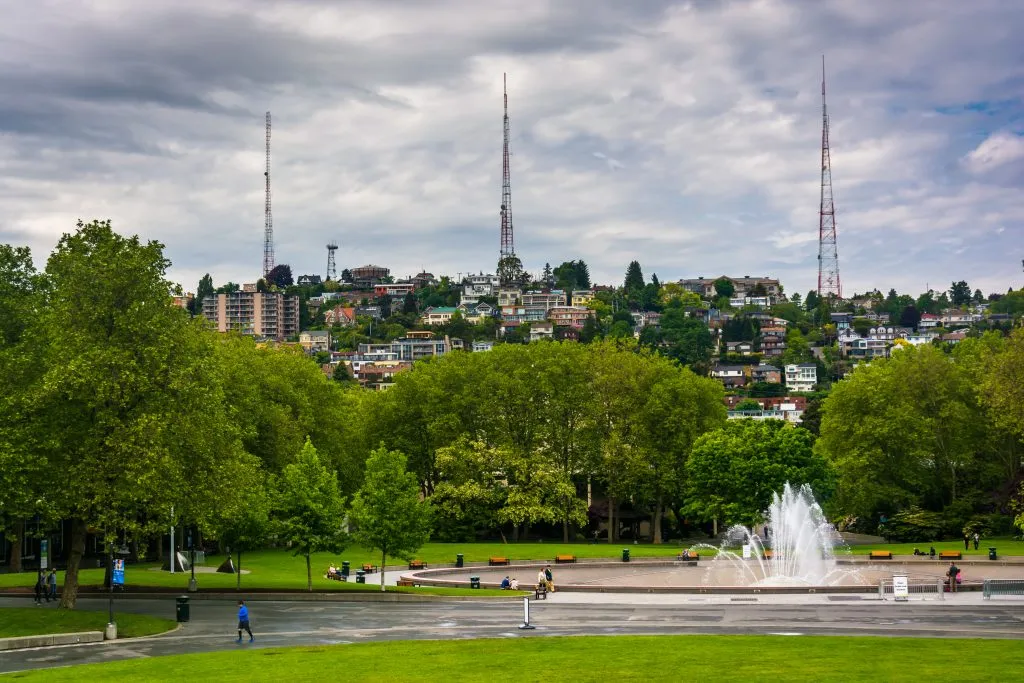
x=69, y=595
x=565, y=529
x=238, y=570
x=515, y=533
x=383, y=563
x=714, y=528
x=656, y=524
x=309, y=575
x=17, y=533
x=611, y=519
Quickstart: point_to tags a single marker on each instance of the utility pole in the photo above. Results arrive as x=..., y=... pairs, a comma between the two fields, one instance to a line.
x=828, y=253
x=268, y=219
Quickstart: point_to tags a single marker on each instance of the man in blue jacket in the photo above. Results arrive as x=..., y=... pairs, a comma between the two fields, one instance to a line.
x=243, y=621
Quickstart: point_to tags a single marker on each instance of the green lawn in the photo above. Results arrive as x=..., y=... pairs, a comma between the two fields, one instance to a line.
x=278, y=569
x=31, y=621
x=595, y=658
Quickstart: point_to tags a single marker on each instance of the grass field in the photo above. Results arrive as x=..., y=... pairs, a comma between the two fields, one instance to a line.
x=595, y=658
x=31, y=621
x=278, y=569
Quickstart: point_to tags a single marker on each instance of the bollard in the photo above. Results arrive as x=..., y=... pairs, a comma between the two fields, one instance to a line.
x=526, y=615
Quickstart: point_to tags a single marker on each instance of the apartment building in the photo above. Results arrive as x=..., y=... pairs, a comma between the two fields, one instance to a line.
x=260, y=314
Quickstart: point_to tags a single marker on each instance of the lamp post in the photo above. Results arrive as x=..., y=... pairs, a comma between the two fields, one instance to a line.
x=192, y=585
x=111, y=632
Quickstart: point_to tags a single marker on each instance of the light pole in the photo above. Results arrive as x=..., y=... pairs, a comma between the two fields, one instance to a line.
x=111, y=632
x=192, y=585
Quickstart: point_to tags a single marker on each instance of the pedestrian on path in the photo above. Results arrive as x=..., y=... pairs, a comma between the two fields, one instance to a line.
x=967, y=542
x=952, y=574
x=51, y=584
x=40, y=588
x=549, y=579
x=243, y=621
x=977, y=539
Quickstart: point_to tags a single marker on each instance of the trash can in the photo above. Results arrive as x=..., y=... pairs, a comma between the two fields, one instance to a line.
x=181, y=608
x=458, y=560
x=344, y=568
x=625, y=554
x=474, y=582
x=991, y=553
x=360, y=576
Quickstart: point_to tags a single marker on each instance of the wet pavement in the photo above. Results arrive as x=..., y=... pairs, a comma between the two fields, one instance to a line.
x=280, y=624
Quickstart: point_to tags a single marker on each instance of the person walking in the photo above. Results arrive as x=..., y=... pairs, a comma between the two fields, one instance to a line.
x=967, y=542
x=40, y=588
x=977, y=539
x=243, y=621
x=51, y=584
x=549, y=579
x=952, y=574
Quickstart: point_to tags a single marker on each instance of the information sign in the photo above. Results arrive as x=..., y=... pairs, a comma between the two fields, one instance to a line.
x=900, y=589
x=118, y=572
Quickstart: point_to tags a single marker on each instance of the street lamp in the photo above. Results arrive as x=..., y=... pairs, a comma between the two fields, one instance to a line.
x=192, y=585
x=111, y=632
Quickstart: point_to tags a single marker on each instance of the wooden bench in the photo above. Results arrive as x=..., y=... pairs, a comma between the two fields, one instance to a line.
x=565, y=559
x=881, y=555
x=540, y=592
x=497, y=561
x=1002, y=587
x=768, y=554
x=688, y=556
x=417, y=564
x=950, y=555
x=369, y=568
x=409, y=583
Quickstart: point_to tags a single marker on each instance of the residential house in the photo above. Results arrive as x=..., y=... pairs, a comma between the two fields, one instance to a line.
x=842, y=321
x=509, y=296
x=183, y=300
x=582, y=297
x=438, y=315
x=797, y=403
x=801, y=377
x=569, y=316
x=954, y=337
x=863, y=348
x=315, y=341
x=476, y=286
x=739, y=347
x=308, y=280
x=758, y=301
x=341, y=316
x=773, y=341
x=643, y=319
x=414, y=346
x=766, y=373
x=705, y=287
x=732, y=376
x=482, y=346
x=397, y=289
x=476, y=313
x=370, y=311
x=954, y=319
x=424, y=280
x=369, y=275
x=551, y=299
x=929, y=321
x=541, y=330
x=379, y=375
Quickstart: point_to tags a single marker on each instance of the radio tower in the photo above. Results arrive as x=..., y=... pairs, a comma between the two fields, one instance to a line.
x=332, y=272
x=507, y=247
x=828, y=254
x=268, y=220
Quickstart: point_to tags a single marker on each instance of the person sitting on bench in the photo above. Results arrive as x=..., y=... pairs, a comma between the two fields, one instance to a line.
x=931, y=552
x=332, y=572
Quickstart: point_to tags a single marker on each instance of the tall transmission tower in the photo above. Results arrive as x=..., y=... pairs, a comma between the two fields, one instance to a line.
x=828, y=253
x=507, y=246
x=268, y=219
x=332, y=271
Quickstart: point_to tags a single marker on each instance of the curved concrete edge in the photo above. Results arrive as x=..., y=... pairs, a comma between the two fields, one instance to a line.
x=50, y=640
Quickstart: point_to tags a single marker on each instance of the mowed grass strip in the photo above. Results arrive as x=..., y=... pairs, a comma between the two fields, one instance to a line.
x=34, y=621
x=587, y=658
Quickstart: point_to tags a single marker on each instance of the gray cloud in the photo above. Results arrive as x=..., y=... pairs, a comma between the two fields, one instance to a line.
x=684, y=135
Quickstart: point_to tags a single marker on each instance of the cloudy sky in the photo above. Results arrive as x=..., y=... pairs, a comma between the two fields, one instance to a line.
x=685, y=135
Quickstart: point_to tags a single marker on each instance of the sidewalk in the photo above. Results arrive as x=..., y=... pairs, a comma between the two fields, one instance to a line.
x=964, y=599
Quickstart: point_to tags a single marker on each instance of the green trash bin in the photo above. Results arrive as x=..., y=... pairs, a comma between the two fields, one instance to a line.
x=345, y=568
x=625, y=554
x=991, y=553
x=360, y=576
x=474, y=582
x=459, y=561
x=181, y=609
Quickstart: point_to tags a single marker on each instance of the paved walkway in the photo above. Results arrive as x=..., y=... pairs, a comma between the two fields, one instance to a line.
x=277, y=624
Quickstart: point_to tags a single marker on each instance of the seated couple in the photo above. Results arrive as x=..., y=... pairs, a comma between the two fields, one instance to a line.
x=507, y=584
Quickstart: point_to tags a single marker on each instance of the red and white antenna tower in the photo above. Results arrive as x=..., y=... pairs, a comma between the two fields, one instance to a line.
x=507, y=246
x=268, y=219
x=828, y=253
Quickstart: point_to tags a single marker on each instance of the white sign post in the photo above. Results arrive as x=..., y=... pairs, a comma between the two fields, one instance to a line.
x=527, y=626
x=746, y=551
x=900, y=589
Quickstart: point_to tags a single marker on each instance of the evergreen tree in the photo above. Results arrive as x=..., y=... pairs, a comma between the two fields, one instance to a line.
x=409, y=305
x=204, y=290
x=634, y=278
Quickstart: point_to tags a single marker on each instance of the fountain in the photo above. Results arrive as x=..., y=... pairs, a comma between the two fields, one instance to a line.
x=799, y=549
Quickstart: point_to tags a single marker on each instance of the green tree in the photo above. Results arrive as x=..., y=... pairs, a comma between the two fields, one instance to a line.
x=510, y=270
x=280, y=276
x=733, y=471
x=309, y=510
x=409, y=304
x=960, y=293
x=241, y=521
x=387, y=512
x=724, y=288
x=634, y=282
x=748, y=404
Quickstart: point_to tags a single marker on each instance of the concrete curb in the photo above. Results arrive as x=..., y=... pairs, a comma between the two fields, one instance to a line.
x=257, y=595
x=50, y=640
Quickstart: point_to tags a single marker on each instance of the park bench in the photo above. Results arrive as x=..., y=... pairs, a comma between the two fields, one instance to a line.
x=369, y=568
x=768, y=554
x=417, y=564
x=881, y=555
x=689, y=556
x=950, y=555
x=497, y=561
x=540, y=592
x=406, y=582
x=1002, y=587
x=565, y=559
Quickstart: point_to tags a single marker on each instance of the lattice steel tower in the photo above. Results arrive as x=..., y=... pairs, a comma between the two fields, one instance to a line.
x=828, y=253
x=332, y=271
x=268, y=219
x=507, y=245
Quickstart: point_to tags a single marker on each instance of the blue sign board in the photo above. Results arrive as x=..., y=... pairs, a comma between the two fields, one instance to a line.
x=118, y=576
